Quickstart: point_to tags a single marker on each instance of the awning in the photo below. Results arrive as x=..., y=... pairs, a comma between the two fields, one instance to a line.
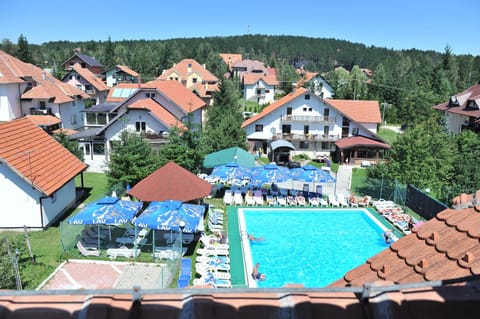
x=281, y=143
x=360, y=141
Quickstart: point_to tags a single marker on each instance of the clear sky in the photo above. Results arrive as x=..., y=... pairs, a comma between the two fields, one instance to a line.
x=393, y=24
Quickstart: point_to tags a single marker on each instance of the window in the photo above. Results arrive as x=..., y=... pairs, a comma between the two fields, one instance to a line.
x=74, y=119
x=289, y=111
x=140, y=126
x=258, y=127
x=304, y=145
x=286, y=129
x=259, y=91
x=304, y=109
x=267, y=91
x=355, y=131
x=194, y=80
x=306, y=129
x=70, y=77
x=326, y=130
x=152, y=95
x=42, y=105
x=326, y=113
x=307, y=96
x=310, y=109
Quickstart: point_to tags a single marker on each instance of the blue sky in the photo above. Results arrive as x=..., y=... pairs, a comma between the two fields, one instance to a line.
x=405, y=24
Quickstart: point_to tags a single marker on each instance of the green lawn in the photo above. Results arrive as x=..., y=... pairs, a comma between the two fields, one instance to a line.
x=388, y=135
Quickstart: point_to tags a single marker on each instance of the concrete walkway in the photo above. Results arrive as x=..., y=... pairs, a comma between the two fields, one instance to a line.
x=344, y=178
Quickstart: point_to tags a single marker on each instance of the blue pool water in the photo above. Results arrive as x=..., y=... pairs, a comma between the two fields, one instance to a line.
x=311, y=247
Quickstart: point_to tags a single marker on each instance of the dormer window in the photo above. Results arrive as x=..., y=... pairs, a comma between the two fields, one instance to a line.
x=307, y=96
x=453, y=101
x=152, y=95
x=472, y=105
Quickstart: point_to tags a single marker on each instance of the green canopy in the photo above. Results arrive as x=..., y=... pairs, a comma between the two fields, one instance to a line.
x=232, y=154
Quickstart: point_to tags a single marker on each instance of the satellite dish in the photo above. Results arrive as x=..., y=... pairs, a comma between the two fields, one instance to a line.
x=273, y=130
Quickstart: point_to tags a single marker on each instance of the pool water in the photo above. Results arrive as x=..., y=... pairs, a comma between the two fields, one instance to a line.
x=311, y=247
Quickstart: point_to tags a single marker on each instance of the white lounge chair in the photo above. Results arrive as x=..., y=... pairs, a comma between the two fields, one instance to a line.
x=258, y=197
x=249, y=200
x=228, y=197
x=209, y=251
x=342, y=200
x=211, y=280
x=238, y=198
x=333, y=201
x=323, y=202
x=123, y=252
x=281, y=200
x=87, y=251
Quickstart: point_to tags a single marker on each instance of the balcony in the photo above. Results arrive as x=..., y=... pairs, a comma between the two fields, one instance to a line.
x=284, y=119
x=307, y=137
x=47, y=111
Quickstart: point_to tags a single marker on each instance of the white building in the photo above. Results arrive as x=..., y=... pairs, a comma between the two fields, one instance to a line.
x=37, y=176
x=313, y=125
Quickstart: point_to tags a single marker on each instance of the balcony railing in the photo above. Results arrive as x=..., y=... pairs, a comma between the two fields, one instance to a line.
x=47, y=111
x=306, y=137
x=307, y=119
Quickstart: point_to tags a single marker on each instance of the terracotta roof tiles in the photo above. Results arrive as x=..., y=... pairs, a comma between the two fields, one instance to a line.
x=188, y=66
x=360, y=111
x=472, y=93
x=91, y=78
x=127, y=70
x=36, y=156
x=158, y=111
x=445, y=247
x=178, y=93
x=351, y=141
x=252, y=78
x=45, y=85
x=277, y=104
x=171, y=181
x=230, y=59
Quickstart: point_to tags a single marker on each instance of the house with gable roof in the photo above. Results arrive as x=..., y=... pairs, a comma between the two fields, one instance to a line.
x=90, y=83
x=26, y=89
x=39, y=174
x=316, y=83
x=84, y=60
x=195, y=77
x=462, y=111
x=120, y=74
x=150, y=110
x=311, y=125
x=259, y=88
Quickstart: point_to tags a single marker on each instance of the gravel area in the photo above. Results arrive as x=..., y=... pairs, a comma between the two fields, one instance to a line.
x=147, y=276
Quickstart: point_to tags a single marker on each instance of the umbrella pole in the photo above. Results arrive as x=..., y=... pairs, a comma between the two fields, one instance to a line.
x=135, y=241
x=153, y=242
x=98, y=236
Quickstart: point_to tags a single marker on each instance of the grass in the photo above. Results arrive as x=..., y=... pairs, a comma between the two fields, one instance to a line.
x=388, y=135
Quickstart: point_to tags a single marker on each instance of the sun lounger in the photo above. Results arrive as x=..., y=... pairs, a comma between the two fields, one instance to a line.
x=323, y=202
x=214, y=259
x=238, y=198
x=209, y=251
x=291, y=201
x=271, y=200
x=87, y=251
x=217, y=272
x=301, y=201
x=210, y=279
x=342, y=201
x=333, y=201
x=313, y=201
x=258, y=197
x=228, y=197
x=123, y=252
x=281, y=200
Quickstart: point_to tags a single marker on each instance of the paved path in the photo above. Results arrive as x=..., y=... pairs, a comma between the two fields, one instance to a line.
x=344, y=178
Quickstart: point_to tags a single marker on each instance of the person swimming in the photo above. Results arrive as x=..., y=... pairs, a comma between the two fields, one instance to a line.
x=388, y=236
x=256, y=274
x=253, y=238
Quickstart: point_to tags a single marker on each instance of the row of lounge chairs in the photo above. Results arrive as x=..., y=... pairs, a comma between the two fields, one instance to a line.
x=213, y=262
x=394, y=214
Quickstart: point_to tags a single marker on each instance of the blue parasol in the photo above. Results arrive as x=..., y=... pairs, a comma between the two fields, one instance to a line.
x=167, y=215
x=230, y=171
x=310, y=173
x=106, y=211
x=270, y=173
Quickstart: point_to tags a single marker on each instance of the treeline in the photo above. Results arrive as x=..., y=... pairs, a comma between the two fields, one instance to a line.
x=409, y=81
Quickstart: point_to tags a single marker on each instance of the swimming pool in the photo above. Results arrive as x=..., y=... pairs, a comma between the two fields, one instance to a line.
x=308, y=246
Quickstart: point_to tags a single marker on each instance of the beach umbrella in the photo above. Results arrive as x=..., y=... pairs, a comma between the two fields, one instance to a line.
x=270, y=173
x=106, y=211
x=310, y=173
x=168, y=215
x=230, y=171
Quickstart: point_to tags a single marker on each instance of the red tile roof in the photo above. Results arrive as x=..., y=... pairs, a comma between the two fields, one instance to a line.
x=252, y=78
x=348, y=142
x=91, y=78
x=183, y=69
x=230, y=59
x=277, y=104
x=158, y=111
x=444, y=247
x=36, y=156
x=178, y=93
x=12, y=70
x=359, y=111
x=200, y=303
x=127, y=70
x=472, y=93
x=171, y=181
x=44, y=120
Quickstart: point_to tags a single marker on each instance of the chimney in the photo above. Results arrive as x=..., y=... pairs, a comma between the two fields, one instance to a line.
x=44, y=76
x=189, y=69
x=294, y=87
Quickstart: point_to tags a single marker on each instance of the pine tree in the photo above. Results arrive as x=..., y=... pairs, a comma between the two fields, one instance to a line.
x=23, y=50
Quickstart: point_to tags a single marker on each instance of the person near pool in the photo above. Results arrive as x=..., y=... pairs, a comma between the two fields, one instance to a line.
x=387, y=236
x=253, y=238
x=256, y=274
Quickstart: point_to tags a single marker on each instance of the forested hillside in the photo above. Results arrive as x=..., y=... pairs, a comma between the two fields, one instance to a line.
x=411, y=81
